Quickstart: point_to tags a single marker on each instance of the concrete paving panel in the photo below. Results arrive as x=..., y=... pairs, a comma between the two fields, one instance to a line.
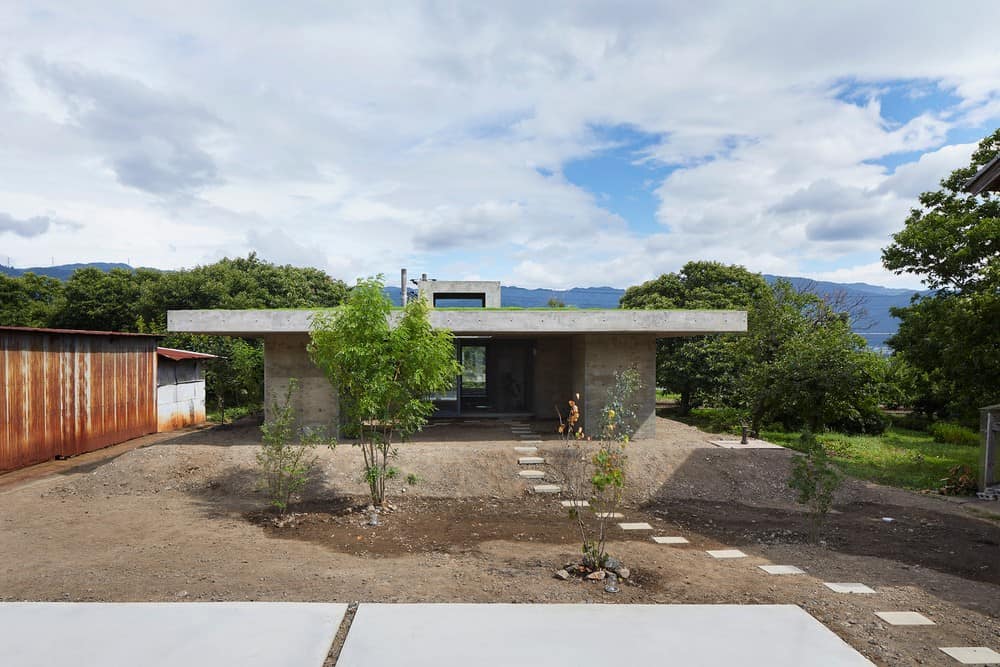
x=781, y=569
x=849, y=588
x=904, y=618
x=212, y=634
x=973, y=655
x=495, y=635
x=670, y=539
x=726, y=553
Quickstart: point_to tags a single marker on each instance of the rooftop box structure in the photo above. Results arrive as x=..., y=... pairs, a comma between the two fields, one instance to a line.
x=515, y=362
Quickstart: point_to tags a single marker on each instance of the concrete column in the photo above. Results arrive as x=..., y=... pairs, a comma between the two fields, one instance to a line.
x=596, y=358
x=315, y=402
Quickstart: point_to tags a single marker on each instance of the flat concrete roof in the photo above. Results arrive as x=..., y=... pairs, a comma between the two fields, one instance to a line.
x=479, y=321
x=591, y=635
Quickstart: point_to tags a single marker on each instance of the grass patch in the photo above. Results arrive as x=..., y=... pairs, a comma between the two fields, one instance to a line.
x=666, y=396
x=232, y=414
x=899, y=457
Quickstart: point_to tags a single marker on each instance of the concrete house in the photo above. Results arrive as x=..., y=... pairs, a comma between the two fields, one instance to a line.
x=516, y=362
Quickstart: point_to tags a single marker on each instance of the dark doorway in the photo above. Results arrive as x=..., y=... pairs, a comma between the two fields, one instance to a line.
x=496, y=379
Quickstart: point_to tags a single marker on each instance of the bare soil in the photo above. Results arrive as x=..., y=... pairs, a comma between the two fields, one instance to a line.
x=179, y=518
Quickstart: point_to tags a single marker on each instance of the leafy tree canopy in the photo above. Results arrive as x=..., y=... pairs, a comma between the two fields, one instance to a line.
x=950, y=339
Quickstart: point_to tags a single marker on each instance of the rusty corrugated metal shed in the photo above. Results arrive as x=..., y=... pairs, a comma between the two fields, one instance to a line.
x=69, y=392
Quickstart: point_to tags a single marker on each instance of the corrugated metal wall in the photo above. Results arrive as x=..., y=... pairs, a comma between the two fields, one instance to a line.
x=65, y=394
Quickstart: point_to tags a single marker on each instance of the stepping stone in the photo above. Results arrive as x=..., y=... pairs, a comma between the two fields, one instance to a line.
x=635, y=526
x=973, y=655
x=526, y=450
x=574, y=503
x=781, y=569
x=547, y=488
x=530, y=460
x=904, y=618
x=849, y=588
x=726, y=553
x=609, y=515
x=532, y=474
x=670, y=540
x=532, y=440
x=753, y=444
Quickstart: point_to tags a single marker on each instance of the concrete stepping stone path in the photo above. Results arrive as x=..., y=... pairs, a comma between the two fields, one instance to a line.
x=526, y=450
x=635, y=526
x=781, y=569
x=668, y=539
x=531, y=474
x=973, y=655
x=609, y=515
x=530, y=460
x=574, y=503
x=904, y=618
x=547, y=488
x=849, y=588
x=726, y=553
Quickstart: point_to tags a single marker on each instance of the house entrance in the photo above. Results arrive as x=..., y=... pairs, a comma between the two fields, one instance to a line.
x=496, y=379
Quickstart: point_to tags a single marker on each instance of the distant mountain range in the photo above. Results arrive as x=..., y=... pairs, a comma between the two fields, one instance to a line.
x=876, y=327
x=61, y=271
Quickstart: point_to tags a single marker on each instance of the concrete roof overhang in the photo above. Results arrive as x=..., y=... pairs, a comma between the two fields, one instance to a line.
x=478, y=322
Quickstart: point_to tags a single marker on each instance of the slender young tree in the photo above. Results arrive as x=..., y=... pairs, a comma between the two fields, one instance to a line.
x=384, y=374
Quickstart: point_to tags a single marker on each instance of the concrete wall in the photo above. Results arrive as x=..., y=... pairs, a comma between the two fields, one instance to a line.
x=316, y=402
x=596, y=358
x=490, y=289
x=553, y=375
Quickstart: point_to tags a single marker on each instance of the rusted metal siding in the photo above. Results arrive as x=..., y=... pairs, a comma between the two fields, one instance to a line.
x=65, y=394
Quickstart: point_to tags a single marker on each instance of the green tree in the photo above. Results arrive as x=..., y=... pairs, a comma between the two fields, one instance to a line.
x=952, y=241
x=778, y=370
x=701, y=368
x=384, y=374
x=29, y=300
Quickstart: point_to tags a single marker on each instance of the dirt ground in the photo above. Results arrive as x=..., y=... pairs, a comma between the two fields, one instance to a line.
x=179, y=518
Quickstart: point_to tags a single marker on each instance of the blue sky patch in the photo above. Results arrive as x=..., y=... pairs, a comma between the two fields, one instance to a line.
x=619, y=177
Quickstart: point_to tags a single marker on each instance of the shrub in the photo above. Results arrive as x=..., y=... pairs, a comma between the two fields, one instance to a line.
x=599, y=471
x=961, y=481
x=816, y=479
x=718, y=420
x=953, y=434
x=287, y=454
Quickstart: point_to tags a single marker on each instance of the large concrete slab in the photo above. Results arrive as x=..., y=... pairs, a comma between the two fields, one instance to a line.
x=495, y=635
x=212, y=634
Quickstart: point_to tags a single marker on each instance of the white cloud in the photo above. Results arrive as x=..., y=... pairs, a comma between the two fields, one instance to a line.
x=365, y=138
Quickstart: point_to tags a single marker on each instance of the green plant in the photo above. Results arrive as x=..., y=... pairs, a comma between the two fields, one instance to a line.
x=953, y=434
x=599, y=472
x=287, y=454
x=413, y=479
x=384, y=375
x=816, y=479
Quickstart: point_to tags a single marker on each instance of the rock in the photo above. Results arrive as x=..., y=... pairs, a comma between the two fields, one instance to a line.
x=596, y=576
x=182, y=594
x=562, y=574
x=623, y=572
x=612, y=563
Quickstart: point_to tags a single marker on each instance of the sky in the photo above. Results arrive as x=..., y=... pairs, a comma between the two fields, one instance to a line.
x=550, y=144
